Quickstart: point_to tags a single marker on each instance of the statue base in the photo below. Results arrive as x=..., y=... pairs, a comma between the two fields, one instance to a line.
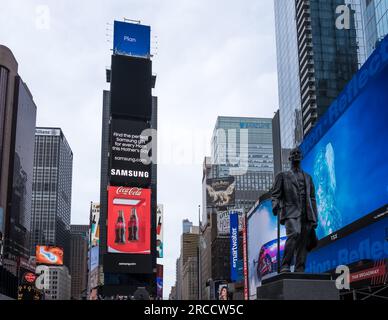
x=298, y=286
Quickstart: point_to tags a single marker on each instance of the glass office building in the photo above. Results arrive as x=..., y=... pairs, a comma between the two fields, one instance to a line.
x=376, y=22
x=290, y=113
x=244, y=145
x=52, y=186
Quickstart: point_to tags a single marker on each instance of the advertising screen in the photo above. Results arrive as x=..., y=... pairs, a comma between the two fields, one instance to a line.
x=223, y=221
x=369, y=243
x=220, y=192
x=49, y=255
x=131, y=39
x=235, y=271
x=349, y=162
x=262, y=244
x=128, y=143
x=129, y=220
x=94, y=224
x=159, y=281
x=159, y=231
x=131, y=87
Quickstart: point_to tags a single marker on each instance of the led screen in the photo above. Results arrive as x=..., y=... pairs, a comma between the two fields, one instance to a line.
x=349, y=163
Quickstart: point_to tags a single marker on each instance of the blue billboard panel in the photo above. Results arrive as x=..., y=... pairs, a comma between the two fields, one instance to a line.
x=234, y=273
x=262, y=244
x=132, y=39
x=94, y=258
x=349, y=162
x=369, y=243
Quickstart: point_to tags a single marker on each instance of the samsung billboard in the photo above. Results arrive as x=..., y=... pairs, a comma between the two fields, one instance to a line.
x=346, y=153
x=131, y=39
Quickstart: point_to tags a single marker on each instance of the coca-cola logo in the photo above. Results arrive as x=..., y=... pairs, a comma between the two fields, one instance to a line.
x=129, y=191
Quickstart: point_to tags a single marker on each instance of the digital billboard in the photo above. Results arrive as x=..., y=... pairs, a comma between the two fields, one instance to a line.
x=159, y=281
x=346, y=153
x=128, y=143
x=131, y=39
x=223, y=221
x=94, y=224
x=235, y=265
x=49, y=255
x=220, y=192
x=131, y=87
x=368, y=243
x=262, y=244
x=159, y=231
x=129, y=220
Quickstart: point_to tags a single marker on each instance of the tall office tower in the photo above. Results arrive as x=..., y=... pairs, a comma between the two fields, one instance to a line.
x=246, y=144
x=129, y=108
x=52, y=186
x=79, y=260
x=290, y=112
x=375, y=21
x=328, y=56
x=17, y=127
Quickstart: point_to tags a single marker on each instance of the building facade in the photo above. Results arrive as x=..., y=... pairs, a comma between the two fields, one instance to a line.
x=328, y=56
x=375, y=22
x=79, y=261
x=17, y=128
x=57, y=280
x=52, y=186
x=190, y=279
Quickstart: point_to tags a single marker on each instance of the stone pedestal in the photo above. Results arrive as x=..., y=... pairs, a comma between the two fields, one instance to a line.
x=298, y=286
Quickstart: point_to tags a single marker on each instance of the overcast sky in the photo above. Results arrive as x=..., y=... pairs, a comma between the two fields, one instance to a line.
x=211, y=58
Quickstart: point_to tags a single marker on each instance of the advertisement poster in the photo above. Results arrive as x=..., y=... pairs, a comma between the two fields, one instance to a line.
x=234, y=257
x=223, y=222
x=220, y=193
x=127, y=146
x=94, y=224
x=129, y=220
x=159, y=281
x=262, y=244
x=131, y=39
x=159, y=231
x=348, y=163
x=49, y=255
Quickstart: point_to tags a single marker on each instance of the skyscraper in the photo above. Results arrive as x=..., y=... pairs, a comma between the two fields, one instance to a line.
x=246, y=144
x=375, y=21
x=79, y=260
x=328, y=56
x=52, y=186
x=17, y=128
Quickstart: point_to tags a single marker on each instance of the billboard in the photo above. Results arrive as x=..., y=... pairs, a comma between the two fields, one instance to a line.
x=368, y=243
x=128, y=143
x=223, y=221
x=159, y=281
x=94, y=258
x=49, y=255
x=132, y=39
x=128, y=264
x=131, y=87
x=129, y=220
x=262, y=244
x=346, y=153
x=235, y=274
x=220, y=192
x=159, y=231
x=94, y=224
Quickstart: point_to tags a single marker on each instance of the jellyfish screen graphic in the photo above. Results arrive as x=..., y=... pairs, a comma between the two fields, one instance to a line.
x=349, y=164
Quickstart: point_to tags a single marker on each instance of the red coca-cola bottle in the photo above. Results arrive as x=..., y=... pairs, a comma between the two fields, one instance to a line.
x=120, y=228
x=133, y=226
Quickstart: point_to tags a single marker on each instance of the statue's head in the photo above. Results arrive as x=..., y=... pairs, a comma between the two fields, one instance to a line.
x=296, y=155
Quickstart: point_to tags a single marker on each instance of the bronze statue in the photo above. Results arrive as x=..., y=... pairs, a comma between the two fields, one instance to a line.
x=293, y=199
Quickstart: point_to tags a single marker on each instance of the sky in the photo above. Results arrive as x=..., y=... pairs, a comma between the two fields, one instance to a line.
x=212, y=58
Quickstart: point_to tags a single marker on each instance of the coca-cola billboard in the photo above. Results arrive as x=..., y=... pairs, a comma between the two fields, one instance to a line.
x=129, y=220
